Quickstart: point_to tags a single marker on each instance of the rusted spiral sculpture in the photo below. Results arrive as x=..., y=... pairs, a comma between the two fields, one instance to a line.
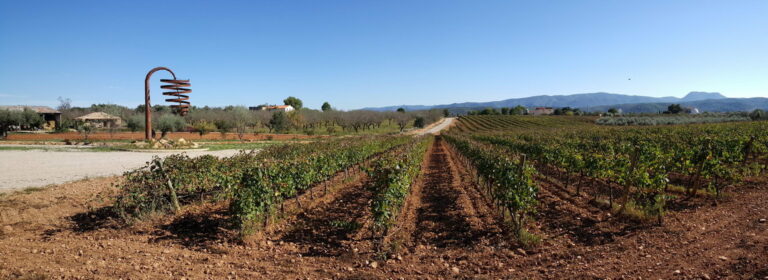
x=180, y=90
x=179, y=93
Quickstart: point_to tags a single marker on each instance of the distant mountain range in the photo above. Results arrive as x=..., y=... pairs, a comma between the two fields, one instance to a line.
x=601, y=101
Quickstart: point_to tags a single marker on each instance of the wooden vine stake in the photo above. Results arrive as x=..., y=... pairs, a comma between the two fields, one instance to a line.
x=171, y=189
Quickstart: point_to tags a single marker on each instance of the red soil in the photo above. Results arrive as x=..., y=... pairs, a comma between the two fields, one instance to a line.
x=450, y=232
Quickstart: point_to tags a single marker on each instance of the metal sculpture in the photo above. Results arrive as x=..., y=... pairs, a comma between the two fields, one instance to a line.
x=180, y=90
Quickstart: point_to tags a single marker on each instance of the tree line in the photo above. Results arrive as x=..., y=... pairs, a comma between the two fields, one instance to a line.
x=238, y=119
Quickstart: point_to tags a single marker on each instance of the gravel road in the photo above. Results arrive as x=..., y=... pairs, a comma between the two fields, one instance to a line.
x=36, y=168
x=437, y=128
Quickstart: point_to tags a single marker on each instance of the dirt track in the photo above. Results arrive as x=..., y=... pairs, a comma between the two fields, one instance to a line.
x=63, y=231
x=36, y=168
x=449, y=210
x=434, y=128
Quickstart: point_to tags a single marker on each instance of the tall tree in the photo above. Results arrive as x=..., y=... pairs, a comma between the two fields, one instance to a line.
x=518, y=110
x=294, y=102
x=326, y=107
x=674, y=109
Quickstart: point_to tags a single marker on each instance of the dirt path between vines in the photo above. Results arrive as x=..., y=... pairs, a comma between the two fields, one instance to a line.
x=63, y=232
x=332, y=228
x=449, y=212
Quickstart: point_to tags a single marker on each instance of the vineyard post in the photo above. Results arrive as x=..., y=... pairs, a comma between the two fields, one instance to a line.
x=578, y=183
x=610, y=193
x=171, y=189
x=312, y=192
x=502, y=213
x=628, y=184
x=266, y=220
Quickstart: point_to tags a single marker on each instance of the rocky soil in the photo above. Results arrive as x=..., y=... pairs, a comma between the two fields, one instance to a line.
x=450, y=232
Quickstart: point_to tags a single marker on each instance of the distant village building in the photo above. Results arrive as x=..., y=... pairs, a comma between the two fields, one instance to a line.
x=538, y=111
x=101, y=120
x=51, y=116
x=284, y=108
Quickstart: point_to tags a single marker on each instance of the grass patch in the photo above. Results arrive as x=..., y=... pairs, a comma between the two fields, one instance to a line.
x=634, y=212
x=631, y=212
x=347, y=226
x=102, y=149
x=700, y=192
x=32, y=190
x=8, y=148
x=527, y=239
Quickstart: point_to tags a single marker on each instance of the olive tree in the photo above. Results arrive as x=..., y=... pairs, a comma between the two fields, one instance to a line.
x=85, y=129
x=135, y=123
x=169, y=123
x=8, y=119
x=279, y=122
x=240, y=119
x=204, y=127
x=19, y=119
x=31, y=119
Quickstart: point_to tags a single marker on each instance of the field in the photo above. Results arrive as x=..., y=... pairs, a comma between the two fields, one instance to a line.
x=530, y=197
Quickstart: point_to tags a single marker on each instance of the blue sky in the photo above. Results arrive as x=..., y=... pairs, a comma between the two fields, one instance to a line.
x=374, y=53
